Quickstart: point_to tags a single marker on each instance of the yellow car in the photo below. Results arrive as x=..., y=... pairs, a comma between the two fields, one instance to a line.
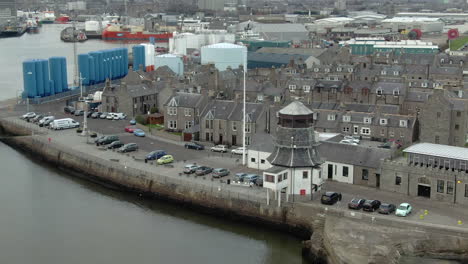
x=165, y=159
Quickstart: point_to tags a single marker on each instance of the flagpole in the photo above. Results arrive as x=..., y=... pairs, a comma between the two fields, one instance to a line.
x=243, y=117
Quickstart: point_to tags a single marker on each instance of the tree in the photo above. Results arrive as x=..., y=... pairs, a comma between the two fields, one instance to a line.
x=154, y=109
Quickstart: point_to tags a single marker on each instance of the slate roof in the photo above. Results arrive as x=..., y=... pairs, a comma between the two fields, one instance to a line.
x=417, y=96
x=290, y=157
x=299, y=51
x=353, y=155
x=389, y=87
x=439, y=150
x=296, y=108
x=189, y=100
x=140, y=90
x=219, y=109
x=253, y=110
x=276, y=58
x=262, y=142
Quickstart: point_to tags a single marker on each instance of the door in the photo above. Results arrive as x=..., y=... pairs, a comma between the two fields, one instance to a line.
x=377, y=180
x=234, y=140
x=220, y=139
x=330, y=171
x=424, y=190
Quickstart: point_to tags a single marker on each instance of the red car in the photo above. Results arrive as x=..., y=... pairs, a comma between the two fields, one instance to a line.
x=130, y=129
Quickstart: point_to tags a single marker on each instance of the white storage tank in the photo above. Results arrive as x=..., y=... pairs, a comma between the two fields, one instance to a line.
x=224, y=55
x=174, y=62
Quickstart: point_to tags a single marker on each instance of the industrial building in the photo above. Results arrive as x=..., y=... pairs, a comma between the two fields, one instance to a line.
x=7, y=9
x=425, y=24
x=277, y=32
x=184, y=43
x=224, y=55
x=174, y=62
x=368, y=47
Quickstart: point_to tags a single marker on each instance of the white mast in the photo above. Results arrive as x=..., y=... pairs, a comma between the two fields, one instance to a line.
x=243, y=112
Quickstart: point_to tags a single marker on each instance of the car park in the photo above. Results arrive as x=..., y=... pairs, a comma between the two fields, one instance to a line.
x=106, y=140
x=220, y=172
x=165, y=159
x=69, y=109
x=103, y=115
x=115, y=144
x=356, y=203
x=64, y=123
x=128, y=148
x=250, y=178
x=139, y=133
x=190, y=168
x=78, y=113
x=133, y=122
x=371, y=205
x=203, y=170
x=330, y=198
x=387, y=208
x=238, y=151
x=130, y=129
x=403, y=209
x=154, y=155
x=219, y=148
x=194, y=145
x=96, y=115
x=240, y=176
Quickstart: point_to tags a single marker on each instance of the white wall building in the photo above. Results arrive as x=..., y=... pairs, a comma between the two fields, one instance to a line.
x=224, y=55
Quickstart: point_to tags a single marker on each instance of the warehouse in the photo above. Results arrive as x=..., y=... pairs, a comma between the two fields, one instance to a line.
x=425, y=24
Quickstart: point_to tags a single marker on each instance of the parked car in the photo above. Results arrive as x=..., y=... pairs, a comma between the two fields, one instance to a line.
x=133, y=122
x=78, y=113
x=404, y=209
x=69, y=109
x=194, y=145
x=190, y=168
x=46, y=121
x=239, y=151
x=354, y=139
x=28, y=115
x=154, y=155
x=128, y=147
x=348, y=141
x=203, y=170
x=119, y=116
x=220, y=172
x=96, y=115
x=103, y=115
x=99, y=138
x=386, y=208
x=106, y=140
x=371, y=205
x=130, y=129
x=356, y=203
x=64, y=123
x=386, y=145
x=165, y=159
x=115, y=144
x=259, y=182
x=219, y=148
x=139, y=133
x=37, y=118
x=330, y=198
x=110, y=116
x=250, y=178
x=89, y=113
x=240, y=176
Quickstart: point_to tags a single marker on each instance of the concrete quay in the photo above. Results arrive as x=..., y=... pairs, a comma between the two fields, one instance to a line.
x=338, y=235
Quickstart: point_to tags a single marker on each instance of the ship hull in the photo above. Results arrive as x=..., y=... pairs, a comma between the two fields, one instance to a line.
x=120, y=35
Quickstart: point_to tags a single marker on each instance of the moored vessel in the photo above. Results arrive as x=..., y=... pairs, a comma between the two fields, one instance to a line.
x=116, y=32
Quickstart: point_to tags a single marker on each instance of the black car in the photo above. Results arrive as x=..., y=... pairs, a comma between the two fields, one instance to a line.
x=356, y=203
x=259, y=182
x=330, y=198
x=78, y=113
x=69, y=109
x=115, y=144
x=386, y=208
x=128, y=147
x=371, y=205
x=203, y=170
x=106, y=140
x=194, y=145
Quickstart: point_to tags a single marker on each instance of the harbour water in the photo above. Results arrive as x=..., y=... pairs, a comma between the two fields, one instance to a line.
x=49, y=216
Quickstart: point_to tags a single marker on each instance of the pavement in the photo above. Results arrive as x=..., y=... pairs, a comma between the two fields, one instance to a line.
x=424, y=210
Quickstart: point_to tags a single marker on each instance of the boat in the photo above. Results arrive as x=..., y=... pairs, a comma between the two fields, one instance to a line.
x=47, y=17
x=71, y=34
x=13, y=28
x=32, y=26
x=118, y=32
x=93, y=29
x=62, y=19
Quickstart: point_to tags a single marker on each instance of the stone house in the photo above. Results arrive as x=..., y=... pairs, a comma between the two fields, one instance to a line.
x=182, y=111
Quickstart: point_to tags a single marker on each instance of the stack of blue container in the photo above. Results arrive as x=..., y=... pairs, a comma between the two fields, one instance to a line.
x=45, y=77
x=97, y=66
x=138, y=57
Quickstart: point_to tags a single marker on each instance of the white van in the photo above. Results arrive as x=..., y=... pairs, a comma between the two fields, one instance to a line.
x=64, y=124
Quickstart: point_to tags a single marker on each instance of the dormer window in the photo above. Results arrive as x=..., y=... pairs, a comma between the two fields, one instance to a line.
x=327, y=70
x=292, y=87
x=442, y=60
x=339, y=69
x=306, y=88
x=327, y=78
x=331, y=117
x=383, y=72
x=403, y=123
x=379, y=91
x=383, y=121
x=424, y=84
x=395, y=73
x=409, y=84
x=351, y=69
x=396, y=92
x=335, y=78
x=367, y=120
x=316, y=69
x=346, y=118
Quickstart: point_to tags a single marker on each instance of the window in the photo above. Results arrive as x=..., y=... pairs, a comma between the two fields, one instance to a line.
x=316, y=69
x=396, y=92
x=262, y=161
x=392, y=133
x=345, y=171
x=277, y=99
x=269, y=178
x=382, y=132
x=450, y=187
x=437, y=139
x=306, y=88
x=383, y=121
x=396, y=73
x=339, y=69
x=397, y=180
x=285, y=176
x=172, y=110
x=280, y=178
x=248, y=127
x=346, y=118
x=252, y=159
x=331, y=117
x=383, y=72
x=188, y=124
x=367, y=120
x=172, y=124
x=351, y=69
x=365, y=131
x=457, y=126
x=379, y=91
x=247, y=140
x=220, y=124
x=440, y=186
x=424, y=84
x=234, y=126
x=345, y=129
x=356, y=129
x=403, y=123
x=458, y=113
x=365, y=174
x=292, y=87
x=327, y=70
x=439, y=114
x=305, y=174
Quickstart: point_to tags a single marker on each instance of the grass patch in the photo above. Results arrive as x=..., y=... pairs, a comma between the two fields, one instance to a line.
x=458, y=43
x=176, y=133
x=156, y=126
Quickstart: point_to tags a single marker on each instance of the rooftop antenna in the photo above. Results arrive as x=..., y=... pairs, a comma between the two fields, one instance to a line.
x=75, y=61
